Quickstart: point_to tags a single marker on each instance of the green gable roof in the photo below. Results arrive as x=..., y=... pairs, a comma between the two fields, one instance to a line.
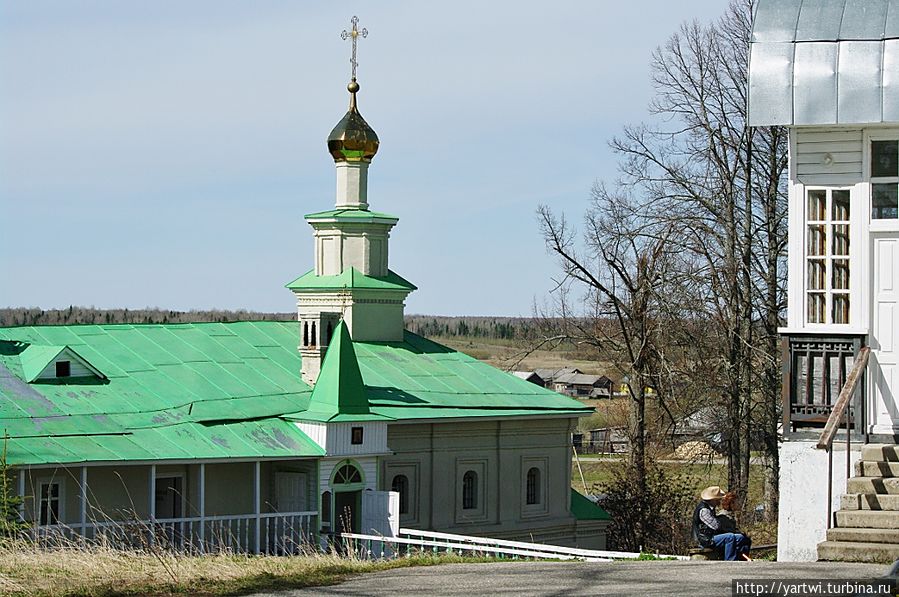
x=350, y=278
x=35, y=359
x=178, y=386
x=583, y=508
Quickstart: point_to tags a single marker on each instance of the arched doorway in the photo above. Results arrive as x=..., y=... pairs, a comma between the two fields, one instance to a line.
x=347, y=483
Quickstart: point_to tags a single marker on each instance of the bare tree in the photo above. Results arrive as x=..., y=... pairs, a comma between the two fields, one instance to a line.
x=716, y=188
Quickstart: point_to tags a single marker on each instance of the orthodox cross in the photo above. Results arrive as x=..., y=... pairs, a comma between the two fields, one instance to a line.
x=353, y=34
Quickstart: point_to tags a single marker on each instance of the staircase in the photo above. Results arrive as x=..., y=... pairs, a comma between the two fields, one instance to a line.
x=867, y=523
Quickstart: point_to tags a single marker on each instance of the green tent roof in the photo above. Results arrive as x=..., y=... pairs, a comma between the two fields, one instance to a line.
x=583, y=508
x=352, y=215
x=196, y=381
x=350, y=278
x=339, y=389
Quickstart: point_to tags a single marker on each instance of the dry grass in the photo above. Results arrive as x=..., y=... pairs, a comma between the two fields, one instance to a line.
x=29, y=570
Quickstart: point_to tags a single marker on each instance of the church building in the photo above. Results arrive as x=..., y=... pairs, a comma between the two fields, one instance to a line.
x=261, y=436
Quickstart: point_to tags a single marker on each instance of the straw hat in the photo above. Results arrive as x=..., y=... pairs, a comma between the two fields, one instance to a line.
x=712, y=493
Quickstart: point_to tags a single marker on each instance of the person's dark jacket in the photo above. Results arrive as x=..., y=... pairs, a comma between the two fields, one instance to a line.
x=726, y=523
x=705, y=524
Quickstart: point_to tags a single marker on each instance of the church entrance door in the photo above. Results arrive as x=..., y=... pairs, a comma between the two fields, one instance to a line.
x=346, y=510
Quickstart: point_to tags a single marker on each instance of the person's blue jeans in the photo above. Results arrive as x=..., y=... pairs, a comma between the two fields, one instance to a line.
x=733, y=544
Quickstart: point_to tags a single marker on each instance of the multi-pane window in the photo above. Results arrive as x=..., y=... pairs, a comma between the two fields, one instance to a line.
x=49, y=504
x=532, y=486
x=884, y=180
x=401, y=486
x=347, y=474
x=470, y=490
x=827, y=256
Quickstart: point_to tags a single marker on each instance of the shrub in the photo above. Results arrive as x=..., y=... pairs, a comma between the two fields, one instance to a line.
x=667, y=503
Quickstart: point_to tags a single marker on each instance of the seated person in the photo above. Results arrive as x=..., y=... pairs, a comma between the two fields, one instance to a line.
x=710, y=531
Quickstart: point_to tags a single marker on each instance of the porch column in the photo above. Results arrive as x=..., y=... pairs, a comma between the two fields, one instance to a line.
x=22, y=494
x=256, y=503
x=84, y=503
x=152, y=502
x=202, y=507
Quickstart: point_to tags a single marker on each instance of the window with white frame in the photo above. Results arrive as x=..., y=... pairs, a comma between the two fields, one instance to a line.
x=885, y=180
x=827, y=256
x=49, y=507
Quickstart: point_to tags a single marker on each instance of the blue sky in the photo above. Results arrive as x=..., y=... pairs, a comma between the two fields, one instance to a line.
x=163, y=153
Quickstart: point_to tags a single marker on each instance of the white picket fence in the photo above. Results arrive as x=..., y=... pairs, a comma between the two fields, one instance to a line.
x=378, y=546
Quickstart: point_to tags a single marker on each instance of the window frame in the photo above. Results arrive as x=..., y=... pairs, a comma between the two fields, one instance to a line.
x=829, y=224
x=478, y=510
x=403, y=491
x=879, y=224
x=59, y=499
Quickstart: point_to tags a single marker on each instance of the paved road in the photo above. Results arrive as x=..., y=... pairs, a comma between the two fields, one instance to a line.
x=581, y=578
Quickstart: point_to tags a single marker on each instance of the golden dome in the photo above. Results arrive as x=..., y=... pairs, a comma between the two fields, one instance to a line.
x=352, y=140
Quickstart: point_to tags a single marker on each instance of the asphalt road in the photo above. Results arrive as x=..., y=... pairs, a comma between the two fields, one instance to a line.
x=582, y=578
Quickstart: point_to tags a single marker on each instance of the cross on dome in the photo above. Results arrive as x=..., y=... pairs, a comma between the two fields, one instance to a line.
x=353, y=34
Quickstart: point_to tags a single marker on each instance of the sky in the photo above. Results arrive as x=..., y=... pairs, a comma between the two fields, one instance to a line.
x=163, y=154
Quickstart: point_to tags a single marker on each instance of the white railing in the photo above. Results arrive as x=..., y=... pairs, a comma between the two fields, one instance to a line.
x=378, y=546
x=277, y=533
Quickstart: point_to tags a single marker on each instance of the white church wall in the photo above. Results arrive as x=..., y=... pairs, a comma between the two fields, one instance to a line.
x=802, y=519
x=378, y=317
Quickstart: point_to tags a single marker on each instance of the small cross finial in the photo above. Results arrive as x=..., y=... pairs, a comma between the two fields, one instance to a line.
x=354, y=34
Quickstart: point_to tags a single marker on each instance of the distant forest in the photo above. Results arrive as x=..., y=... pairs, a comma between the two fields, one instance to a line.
x=504, y=328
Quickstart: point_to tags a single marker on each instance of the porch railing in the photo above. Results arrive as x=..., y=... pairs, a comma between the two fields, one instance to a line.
x=279, y=533
x=837, y=415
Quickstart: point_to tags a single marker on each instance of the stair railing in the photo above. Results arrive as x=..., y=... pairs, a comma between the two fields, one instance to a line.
x=833, y=424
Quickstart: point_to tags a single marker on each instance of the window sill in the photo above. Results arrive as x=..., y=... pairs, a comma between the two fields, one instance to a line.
x=834, y=330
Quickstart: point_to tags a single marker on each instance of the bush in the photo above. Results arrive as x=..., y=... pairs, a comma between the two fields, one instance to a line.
x=10, y=522
x=667, y=503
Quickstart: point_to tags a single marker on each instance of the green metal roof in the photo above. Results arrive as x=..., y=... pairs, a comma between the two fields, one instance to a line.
x=583, y=508
x=174, y=391
x=339, y=389
x=351, y=278
x=352, y=215
x=183, y=379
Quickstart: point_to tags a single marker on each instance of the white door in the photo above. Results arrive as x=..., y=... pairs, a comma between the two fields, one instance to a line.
x=882, y=367
x=290, y=491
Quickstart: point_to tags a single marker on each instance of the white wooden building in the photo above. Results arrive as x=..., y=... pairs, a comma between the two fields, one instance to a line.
x=829, y=70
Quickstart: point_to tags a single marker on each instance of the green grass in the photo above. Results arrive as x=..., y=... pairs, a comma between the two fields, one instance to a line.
x=30, y=571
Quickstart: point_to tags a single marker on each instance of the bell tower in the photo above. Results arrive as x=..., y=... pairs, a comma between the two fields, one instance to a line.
x=350, y=280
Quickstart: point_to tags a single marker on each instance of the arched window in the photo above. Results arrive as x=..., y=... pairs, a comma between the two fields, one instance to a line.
x=347, y=474
x=400, y=485
x=312, y=336
x=330, y=332
x=470, y=490
x=532, y=486
x=326, y=510
x=305, y=333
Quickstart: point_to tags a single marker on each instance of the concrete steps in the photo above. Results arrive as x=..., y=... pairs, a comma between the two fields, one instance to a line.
x=867, y=523
x=856, y=535
x=869, y=501
x=888, y=485
x=846, y=551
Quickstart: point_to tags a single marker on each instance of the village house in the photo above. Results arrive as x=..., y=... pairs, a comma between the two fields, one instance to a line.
x=829, y=70
x=530, y=376
x=582, y=385
x=208, y=433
